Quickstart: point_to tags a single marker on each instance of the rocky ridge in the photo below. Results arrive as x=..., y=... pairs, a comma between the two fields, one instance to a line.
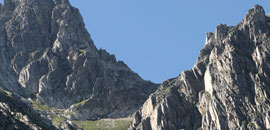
x=47, y=56
x=228, y=87
x=15, y=113
x=49, y=61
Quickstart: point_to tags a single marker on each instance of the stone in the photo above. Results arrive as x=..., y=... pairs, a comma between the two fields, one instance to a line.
x=226, y=89
x=16, y=113
x=46, y=54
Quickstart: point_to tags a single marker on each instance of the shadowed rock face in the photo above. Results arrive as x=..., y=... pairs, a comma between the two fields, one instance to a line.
x=228, y=87
x=47, y=54
x=16, y=113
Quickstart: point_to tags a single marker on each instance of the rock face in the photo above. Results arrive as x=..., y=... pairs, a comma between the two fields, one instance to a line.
x=228, y=87
x=15, y=113
x=47, y=54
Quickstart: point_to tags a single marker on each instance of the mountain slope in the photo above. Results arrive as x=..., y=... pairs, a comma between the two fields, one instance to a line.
x=47, y=55
x=228, y=87
x=15, y=113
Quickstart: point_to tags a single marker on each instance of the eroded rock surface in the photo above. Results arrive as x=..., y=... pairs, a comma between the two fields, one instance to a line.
x=228, y=87
x=47, y=54
x=16, y=113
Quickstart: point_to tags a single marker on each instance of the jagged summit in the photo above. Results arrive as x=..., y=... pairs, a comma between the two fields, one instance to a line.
x=255, y=14
x=228, y=87
x=49, y=63
x=47, y=55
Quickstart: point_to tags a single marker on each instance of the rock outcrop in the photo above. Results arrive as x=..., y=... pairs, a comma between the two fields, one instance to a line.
x=16, y=113
x=47, y=57
x=228, y=87
x=46, y=54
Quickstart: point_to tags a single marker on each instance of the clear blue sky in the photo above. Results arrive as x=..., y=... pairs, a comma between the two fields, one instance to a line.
x=158, y=39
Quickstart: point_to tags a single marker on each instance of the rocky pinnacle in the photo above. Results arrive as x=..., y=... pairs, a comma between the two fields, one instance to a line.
x=227, y=89
x=46, y=54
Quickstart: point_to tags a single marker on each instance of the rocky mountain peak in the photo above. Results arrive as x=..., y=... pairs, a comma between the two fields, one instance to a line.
x=221, y=32
x=48, y=56
x=256, y=14
x=52, y=71
x=226, y=88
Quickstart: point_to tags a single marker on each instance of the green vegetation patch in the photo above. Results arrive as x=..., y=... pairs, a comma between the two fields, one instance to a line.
x=70, y=113
x=251, y=124
x=260, y=100
x=57, y=120
x=122, y=124
x=83, y=51
x=82, y=102
x=9, y=94
x=38, y=106
x=104, y=124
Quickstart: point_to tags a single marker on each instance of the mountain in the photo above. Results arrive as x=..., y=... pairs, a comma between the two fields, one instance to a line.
x=16, y=113
x=53, y=77
x=48, y=58
x=228, y=87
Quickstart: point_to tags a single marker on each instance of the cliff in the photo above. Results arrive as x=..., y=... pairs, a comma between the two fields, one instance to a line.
x=47, y=56
x=228, y=87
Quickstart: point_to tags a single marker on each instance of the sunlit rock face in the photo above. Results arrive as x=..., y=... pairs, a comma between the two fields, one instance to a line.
x=47, y=54
x=228, y=87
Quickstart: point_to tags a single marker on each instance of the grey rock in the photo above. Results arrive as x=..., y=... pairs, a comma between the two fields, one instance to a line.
x=228, y=87
x=16, y=113
x=47, y=54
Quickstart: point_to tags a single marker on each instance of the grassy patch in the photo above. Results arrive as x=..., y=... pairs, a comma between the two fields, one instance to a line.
x=83, y=51
x=6, y=92
x=251, y=124
x=104, y=124
x=82, y=102
x=88, y=125
x=260, y=100
x=38, y=106
x=122, y=124
x=57, y=120
x=70, y=113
